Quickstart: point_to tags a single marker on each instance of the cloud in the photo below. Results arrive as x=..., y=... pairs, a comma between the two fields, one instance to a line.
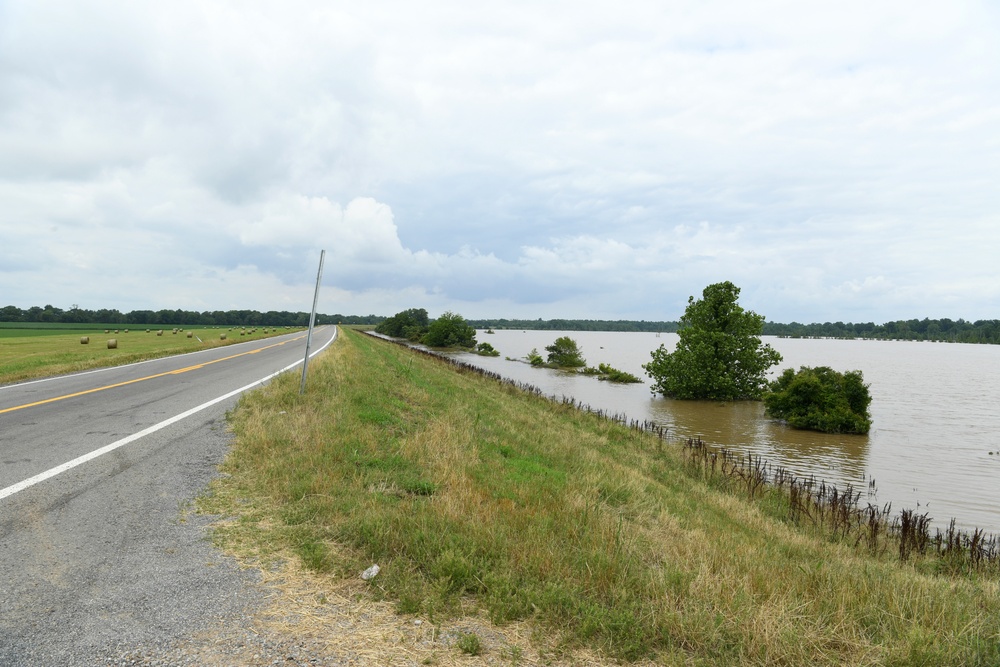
x=555, y=159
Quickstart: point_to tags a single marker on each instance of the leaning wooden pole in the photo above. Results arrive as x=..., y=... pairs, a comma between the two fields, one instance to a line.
x=312, y=322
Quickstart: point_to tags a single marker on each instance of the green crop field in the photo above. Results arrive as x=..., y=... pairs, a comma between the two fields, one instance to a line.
x=16, y=329
x=55, y=349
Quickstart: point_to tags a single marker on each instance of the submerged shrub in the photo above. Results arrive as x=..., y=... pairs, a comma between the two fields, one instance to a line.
x=486, y=350
x=820, y=399
x=449, y=330
x=612, y=374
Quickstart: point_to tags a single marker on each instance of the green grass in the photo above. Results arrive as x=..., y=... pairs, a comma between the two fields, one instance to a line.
x=55, y=350
x=463, y=489
x=38, y=328
x=470, y=644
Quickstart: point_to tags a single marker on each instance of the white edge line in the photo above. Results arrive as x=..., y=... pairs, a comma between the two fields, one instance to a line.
x=80, y=460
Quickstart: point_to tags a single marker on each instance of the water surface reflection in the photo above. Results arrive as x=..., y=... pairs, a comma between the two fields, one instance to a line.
x=742, y=425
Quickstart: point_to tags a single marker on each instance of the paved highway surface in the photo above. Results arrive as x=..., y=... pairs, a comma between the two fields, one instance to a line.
x=96, y=469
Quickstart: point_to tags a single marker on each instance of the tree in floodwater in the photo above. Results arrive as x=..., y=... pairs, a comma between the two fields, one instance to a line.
x=719, y=356
x=565, y=353
x=821, y=399
x=486, y=350
x=449, y=330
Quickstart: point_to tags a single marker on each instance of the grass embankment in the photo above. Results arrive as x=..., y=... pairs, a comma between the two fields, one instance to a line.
x=465, y=490
x=42, y=352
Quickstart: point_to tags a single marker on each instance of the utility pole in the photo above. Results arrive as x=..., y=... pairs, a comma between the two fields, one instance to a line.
x=312, y=322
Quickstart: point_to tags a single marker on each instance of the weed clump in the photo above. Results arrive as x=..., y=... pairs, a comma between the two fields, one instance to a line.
x=469, y=644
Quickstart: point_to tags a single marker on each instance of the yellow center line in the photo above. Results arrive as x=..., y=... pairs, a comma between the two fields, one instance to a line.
x=148, y=377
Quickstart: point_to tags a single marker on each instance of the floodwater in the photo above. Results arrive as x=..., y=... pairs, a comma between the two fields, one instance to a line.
x=935, y=412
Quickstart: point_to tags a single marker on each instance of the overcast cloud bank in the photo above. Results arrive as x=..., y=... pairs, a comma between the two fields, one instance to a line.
x=836, y=162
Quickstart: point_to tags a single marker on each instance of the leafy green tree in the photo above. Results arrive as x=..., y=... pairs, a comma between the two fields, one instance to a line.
x=565, y=353
x=820, y=399
x=10, y=314
x=449, y=330
x=486, y=350
x=410, y=324
x=719, y=356
x=534, y=358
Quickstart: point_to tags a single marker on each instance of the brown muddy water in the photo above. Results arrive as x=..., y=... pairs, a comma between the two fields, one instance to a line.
x=935, y=411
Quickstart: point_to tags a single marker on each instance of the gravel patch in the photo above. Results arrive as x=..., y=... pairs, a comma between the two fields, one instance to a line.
x=108, y=556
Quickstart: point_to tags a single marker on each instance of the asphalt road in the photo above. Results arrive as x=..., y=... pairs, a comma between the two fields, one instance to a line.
x=97, y=552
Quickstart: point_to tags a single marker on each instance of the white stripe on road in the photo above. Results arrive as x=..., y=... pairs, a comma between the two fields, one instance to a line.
x=90, y=456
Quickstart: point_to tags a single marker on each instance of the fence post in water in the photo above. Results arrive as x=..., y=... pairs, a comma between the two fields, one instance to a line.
x=312, y=322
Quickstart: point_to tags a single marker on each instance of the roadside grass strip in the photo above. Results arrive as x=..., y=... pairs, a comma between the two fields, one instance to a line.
x=473, y=494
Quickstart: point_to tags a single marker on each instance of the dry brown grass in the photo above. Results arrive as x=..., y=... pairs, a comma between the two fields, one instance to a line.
x=339, y=620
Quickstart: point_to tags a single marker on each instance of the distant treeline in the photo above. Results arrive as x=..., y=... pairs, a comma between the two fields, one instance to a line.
x=956, y=331
x=959, y=331
x=575, y=325
x=240, y=318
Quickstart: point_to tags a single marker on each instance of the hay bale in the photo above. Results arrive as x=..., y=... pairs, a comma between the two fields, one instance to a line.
x=126, y=331
x=107, y=331
x=190, y=334
x=160, y=332
x=112, y=343
x=84, y=340
x=222, y=337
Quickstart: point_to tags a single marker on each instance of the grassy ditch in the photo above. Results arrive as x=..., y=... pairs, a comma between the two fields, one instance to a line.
x=469, y=492
x=42, y=352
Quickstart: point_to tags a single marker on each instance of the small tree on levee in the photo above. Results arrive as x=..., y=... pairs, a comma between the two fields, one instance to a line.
x=719, y=356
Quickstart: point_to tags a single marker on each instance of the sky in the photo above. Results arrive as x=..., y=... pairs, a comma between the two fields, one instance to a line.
x=838, y=161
